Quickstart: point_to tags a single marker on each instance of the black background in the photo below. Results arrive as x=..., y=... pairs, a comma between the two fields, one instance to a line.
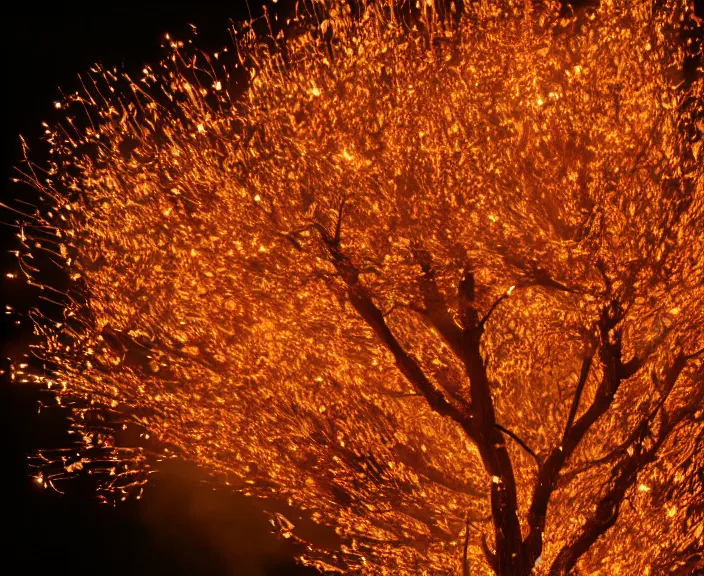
x=181, y=526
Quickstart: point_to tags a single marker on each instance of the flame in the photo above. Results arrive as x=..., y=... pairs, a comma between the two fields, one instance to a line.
x=222, y=223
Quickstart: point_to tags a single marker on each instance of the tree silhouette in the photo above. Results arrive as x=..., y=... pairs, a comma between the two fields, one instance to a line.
x=432, y=275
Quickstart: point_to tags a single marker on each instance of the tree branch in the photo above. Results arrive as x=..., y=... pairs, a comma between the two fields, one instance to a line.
x=629, y=368
x=490, y=556
x=465, y=556
x=436, y=310
x=625, y=473
x=521, y=443
x=362, y=302
x=610, y=353
x=540, y=277
x=416, y=462
x=338, y=224
x=465, y=343
x=495, y=457
x=670, y=379
x=583, y=375
x=493, y=307
x=694, y=354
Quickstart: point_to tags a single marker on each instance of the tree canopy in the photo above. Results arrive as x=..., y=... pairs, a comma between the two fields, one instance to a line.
x=432, y=275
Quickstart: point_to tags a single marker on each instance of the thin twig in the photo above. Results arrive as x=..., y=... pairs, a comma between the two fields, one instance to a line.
x=501, y=298
x=338, y=224
x=694, y=354
x=521, y=443
x=465, y=558
x=584, y=374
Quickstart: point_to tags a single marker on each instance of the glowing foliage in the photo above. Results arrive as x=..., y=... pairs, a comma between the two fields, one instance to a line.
x=430, y=271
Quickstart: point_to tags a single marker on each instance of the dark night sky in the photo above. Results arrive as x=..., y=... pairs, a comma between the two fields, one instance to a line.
x=180, y=526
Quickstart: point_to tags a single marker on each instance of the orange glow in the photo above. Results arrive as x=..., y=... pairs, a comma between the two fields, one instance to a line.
x=419, y=281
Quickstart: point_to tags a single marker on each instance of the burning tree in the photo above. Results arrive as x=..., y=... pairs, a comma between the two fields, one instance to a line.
x=431, y=277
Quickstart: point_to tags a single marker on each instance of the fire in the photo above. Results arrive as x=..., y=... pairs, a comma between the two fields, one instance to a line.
x=422, y=273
